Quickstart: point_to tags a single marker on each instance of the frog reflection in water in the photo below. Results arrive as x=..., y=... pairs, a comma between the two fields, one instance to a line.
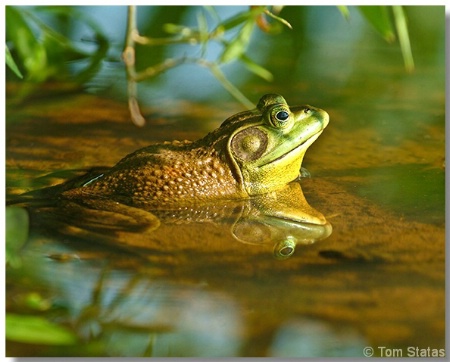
x=252, y=154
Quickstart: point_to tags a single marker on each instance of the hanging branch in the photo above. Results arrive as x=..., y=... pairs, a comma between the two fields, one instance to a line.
x=233, y=49
x=129, y=57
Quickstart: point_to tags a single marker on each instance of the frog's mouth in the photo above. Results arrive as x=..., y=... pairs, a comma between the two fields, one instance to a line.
x=296, y=151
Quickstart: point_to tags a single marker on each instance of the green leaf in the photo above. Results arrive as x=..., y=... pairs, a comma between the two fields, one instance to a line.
x=35, y=301
x=344, y=11
x=36, y=330
x=378, y=17
x=240, y=18
x=61, y=50
x=212, y=12
x=31, y=54
x=403, y=37
x=235, y=48
x=277, y=18
x=16, y=234
x=203, y=31
x=44, y=52
x=256, y=68
x=11, y=64
x=233, y=22
x=236, y=93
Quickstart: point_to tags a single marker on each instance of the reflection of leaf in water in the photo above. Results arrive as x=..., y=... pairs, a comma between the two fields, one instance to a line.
x=37, y=330
x=16, y=234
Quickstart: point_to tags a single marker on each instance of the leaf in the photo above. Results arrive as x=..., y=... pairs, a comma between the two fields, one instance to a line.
x=235, y=48
x=203, y=31
x=61, y=49
x=47, y=53
x=175, y=29
x=344, y=11
x=277, y=18
x=403, y=37
x=378, y=17
x=36, y=330
x=30, y=52
x=12, y=64
x=236, y=93
x=16, y=234
x=233, y=22
x=212, y=12
x=256, y=68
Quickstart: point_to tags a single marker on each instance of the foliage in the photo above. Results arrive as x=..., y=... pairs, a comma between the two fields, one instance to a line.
x=42, y=52
x=16, y=234
x=12, y=64
x=36, y=330
x=380, y=17
x=46, y=54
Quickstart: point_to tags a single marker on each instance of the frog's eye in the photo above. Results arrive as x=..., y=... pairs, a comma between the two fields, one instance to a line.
x=280, y=118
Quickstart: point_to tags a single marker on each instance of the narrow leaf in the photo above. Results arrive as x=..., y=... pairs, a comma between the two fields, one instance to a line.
x=12, y=64
x=176, y=29
x=233, y=22
x=378, y=17
x=403, y=37
x=30, y=52
x=16, y=234
x=256, y=68
x=203, y=31
x=36, y=330
x=237, y=46
x=277, y=18
x=211, y=11
x=241, y=18
x=236, y=93
x=344, y=11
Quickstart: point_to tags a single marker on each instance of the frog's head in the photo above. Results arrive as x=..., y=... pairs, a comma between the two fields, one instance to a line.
x=267, y=145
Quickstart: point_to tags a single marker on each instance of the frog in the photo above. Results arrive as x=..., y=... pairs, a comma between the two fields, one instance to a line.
x=251, y=153
x=242, y=176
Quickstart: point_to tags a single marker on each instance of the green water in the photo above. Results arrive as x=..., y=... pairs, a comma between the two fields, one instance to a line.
x=192, y=289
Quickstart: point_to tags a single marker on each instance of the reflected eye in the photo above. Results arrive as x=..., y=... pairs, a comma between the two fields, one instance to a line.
x=284, y=248
x=286, y=251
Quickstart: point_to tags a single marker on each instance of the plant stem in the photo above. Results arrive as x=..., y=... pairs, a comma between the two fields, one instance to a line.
x=129, y=59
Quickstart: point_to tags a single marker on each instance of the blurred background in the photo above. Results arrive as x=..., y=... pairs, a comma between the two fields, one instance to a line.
x=327, y=44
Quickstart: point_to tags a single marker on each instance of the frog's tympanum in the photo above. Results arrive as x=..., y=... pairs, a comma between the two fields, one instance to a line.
x=251, y=153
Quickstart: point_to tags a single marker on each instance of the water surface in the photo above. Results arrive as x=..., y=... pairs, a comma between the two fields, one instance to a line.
x=377, y=175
